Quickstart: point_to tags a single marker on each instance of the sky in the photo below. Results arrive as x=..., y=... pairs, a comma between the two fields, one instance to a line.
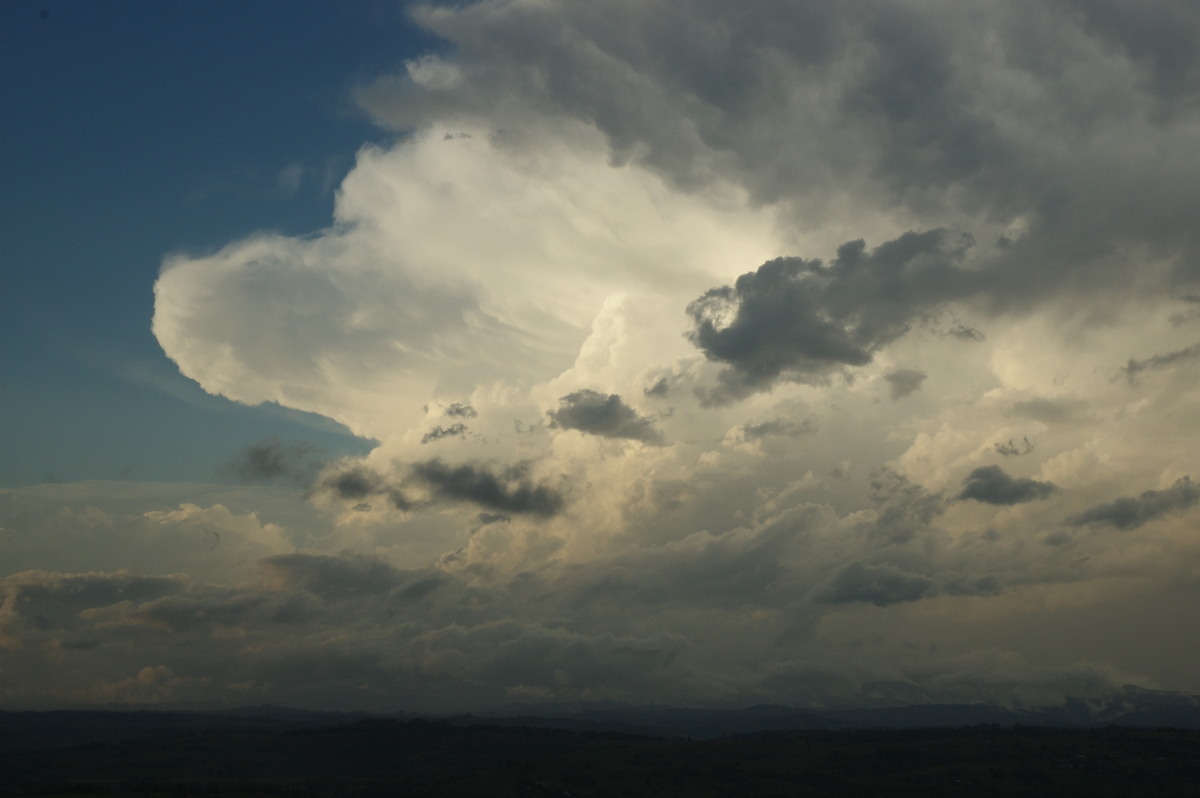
x=458, y=356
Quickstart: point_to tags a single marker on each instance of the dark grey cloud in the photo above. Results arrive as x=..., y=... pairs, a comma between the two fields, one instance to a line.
x=422, y=587
x=355, y=482
x=56, y=600
x=202, y=608
x=1013, y=449
x=964, y=332
x=1131, y=512
x=1075, y=117
x=487, y=519
x=991, y=485
x=509, y=490
x=880, y=585
x=271, y=459
x=1134, y=368
x=1157, y=36
x=779, y=427
x=460, y=410
x=799, y=320
x=904, y=382
x=604, y=415
x=909, y=86
x=439, y=432
x=506, y=490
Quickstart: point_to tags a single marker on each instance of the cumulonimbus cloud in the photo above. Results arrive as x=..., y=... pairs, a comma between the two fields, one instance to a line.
x=761, y=220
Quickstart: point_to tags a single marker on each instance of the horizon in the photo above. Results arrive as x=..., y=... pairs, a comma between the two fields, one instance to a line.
x=1116, y=708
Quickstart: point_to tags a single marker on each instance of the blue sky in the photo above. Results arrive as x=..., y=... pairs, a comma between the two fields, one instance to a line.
x=133, y=129
x=453, y=356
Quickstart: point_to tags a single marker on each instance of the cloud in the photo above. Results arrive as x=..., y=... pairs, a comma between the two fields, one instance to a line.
x=330, y=577
x=880, y=585
x=508, y=491
x=460, y=410
x=798, y=320
x=650, y=619
x=607, y=416
x=964, y=332
x=947, y=111
x=1134, y=368
x=427, y=482
x=904, y=510
x=149, y=529
x=991, y=485
x=198, y=609
x=1012, y=449
x=439, y=432
x=483, y=519
x=660, y=387
x=1058, y=410
x=904, y=382
x=590, y=218
x=1131, y=512
x=356, y=482
x=1155, y=36
x=738, y=568
x=777, y=427
x=48, y=600
x=389, y=310
x=271, y=459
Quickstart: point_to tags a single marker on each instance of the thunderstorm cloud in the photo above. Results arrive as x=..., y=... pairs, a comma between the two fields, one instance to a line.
x=667, y=321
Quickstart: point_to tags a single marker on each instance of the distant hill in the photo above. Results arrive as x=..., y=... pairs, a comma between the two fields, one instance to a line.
x=43, y=731
x=1128, y=706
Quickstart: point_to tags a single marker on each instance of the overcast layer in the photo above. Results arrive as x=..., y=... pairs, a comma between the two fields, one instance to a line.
x=718, y=353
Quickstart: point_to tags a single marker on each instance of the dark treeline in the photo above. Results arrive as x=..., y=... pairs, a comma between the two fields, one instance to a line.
x=382, y=756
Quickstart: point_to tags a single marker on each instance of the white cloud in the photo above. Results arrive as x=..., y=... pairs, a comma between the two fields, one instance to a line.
x=149, y=530
x=454, y=266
